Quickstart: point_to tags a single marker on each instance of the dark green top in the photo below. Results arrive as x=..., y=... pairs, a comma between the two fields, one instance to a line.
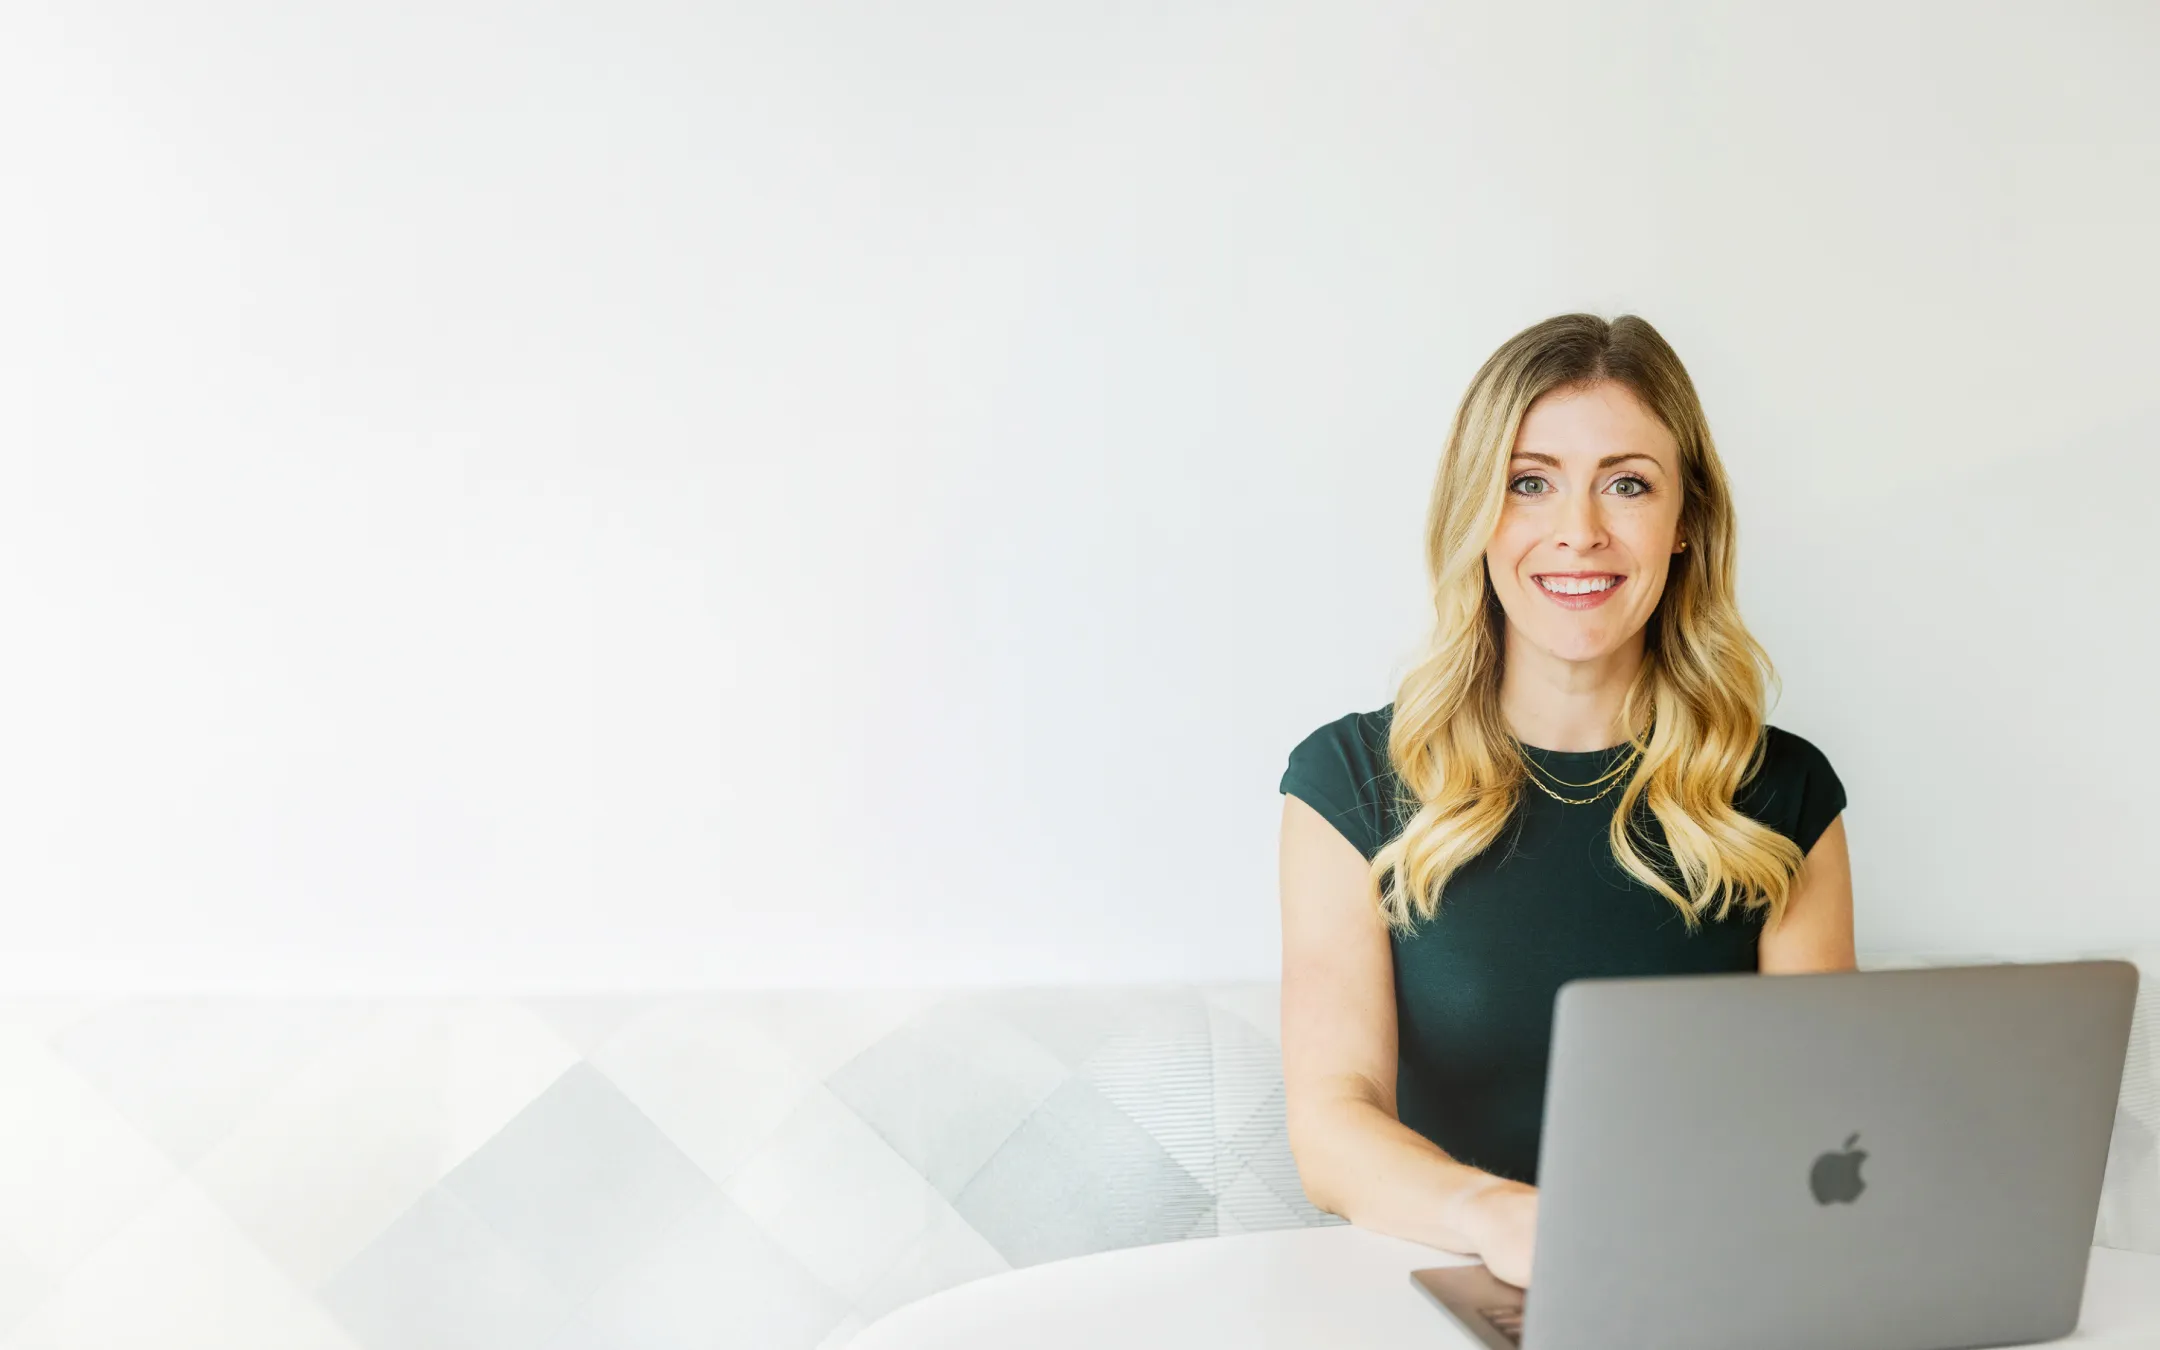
x=1546, y=903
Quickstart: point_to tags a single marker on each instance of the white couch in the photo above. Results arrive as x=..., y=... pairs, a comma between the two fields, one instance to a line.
x=769, y=1170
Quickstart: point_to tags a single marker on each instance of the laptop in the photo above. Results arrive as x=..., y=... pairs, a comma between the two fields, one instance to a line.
x=1895, y=1160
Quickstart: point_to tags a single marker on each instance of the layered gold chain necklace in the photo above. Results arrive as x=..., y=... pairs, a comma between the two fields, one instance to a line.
x=1617, y=775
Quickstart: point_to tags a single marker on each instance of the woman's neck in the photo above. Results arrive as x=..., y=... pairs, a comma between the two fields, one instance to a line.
x=1556, y=704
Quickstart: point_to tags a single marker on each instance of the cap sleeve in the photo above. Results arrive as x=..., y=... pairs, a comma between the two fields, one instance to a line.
x=1340, y=772
x=1796, y=791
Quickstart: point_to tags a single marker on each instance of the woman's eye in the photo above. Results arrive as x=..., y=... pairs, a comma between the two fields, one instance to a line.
x=1529, y=485
x=1629, y=486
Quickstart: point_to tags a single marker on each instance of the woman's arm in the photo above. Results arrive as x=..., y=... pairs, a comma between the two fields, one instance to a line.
x=1816, y=932
x=1354, y=1157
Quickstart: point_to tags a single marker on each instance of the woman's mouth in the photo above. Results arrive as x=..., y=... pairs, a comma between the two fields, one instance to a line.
x=1578, y=590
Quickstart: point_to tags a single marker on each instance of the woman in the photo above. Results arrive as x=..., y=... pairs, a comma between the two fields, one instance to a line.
x=1575, y=780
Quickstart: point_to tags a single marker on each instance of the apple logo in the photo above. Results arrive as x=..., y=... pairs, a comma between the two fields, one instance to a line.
x=1835, y=1178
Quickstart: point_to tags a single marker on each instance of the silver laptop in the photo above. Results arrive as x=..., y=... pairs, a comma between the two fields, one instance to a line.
x=1895, y=1160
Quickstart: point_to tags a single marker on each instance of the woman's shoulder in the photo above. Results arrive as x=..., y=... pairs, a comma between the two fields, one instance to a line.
x=1794, y=790
x=1790, y=752
x=1365, y=732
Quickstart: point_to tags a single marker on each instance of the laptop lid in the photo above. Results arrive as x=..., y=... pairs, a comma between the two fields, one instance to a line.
x=1895, y=1160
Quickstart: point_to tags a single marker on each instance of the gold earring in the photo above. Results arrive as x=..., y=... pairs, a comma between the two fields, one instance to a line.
x=1683, y=546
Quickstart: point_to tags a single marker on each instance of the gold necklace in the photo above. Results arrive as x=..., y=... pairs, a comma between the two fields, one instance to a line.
x=1618, y=765
x=1626, y=762
x=1575, y=801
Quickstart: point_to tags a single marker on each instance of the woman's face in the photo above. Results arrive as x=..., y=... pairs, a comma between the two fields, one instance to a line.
x=1591, y=522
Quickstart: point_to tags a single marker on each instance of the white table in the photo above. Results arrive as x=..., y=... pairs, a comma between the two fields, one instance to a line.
x=1303, y=1289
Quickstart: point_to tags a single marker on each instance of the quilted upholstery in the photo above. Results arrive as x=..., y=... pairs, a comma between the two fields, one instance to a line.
x=767, y=1169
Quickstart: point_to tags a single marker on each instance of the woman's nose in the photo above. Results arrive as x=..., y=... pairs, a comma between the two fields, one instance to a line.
x=1582, y=524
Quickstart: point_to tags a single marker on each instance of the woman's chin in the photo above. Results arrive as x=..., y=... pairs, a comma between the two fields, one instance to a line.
x=1579, y=647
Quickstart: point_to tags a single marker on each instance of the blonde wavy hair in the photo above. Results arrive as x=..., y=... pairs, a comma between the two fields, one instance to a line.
x=1701, y=690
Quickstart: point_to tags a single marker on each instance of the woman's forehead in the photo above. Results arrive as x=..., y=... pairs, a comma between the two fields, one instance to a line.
x=1605, y=423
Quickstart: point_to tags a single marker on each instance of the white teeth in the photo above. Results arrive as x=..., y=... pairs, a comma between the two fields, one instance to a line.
x=1577, y=585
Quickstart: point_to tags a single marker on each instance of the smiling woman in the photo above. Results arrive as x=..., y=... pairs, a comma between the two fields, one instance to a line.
x=1576, y=780
x=1567, y=504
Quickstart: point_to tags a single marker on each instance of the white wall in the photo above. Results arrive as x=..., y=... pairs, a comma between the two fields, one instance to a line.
x=501, y=496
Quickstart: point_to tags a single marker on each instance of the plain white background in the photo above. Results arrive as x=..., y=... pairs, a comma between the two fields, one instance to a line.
x=774, y=493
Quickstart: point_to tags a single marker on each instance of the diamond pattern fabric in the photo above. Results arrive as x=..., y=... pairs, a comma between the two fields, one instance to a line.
x=773, y=1170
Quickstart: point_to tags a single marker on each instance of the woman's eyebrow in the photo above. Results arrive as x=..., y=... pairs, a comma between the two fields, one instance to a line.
x=1604, y=463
